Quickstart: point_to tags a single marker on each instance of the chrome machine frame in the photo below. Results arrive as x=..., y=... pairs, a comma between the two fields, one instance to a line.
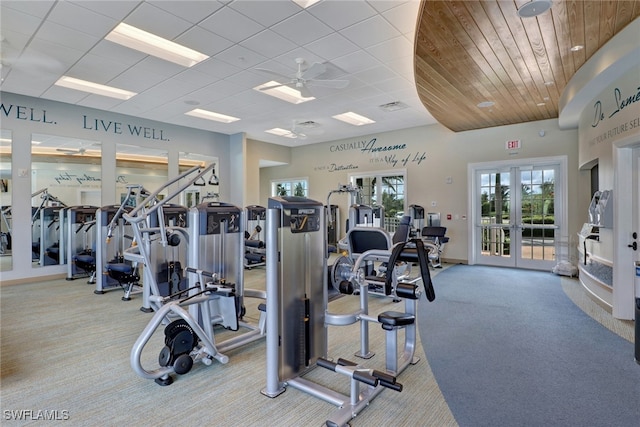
x=145, y=235
x=298, y=294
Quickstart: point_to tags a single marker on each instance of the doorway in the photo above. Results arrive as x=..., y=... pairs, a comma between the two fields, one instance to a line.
x=518, y=215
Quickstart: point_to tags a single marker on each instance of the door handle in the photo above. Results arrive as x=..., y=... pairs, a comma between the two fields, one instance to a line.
x=633, y=246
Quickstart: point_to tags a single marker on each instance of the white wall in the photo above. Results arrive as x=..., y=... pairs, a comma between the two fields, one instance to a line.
x=430, y=154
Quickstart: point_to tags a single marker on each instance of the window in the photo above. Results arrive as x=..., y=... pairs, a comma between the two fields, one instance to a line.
x=291, y=187
x=391, y=187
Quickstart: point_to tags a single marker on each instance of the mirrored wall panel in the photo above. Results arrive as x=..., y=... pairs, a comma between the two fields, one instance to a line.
x=65, y=175
x=138, y=169
x=207, y=189
x=6, y=259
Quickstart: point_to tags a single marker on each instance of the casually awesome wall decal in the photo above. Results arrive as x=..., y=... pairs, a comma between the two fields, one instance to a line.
x=377, y=153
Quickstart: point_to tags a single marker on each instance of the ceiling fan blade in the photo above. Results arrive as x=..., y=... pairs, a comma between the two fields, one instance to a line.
x=335, y=84
x=314, y=71
x=304, y=91
x=274, y=73
x=67, y=150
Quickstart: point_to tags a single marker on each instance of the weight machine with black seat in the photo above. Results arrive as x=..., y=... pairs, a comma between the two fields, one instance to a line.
x=113, y=236
x=297, y=308
x=254, y=251
x=436, y=236
x=79, y=243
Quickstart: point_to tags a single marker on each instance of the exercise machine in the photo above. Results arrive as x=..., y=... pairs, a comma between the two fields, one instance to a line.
x=215, y=298
x=79, y=243
x=161, y=236
x=5, y=234
x=254, y=251
x=363, y=239
x=297, y=309
x=436, y=237
x=114, y=236
x=46, y=229
x=216, y=248
x=416, y=212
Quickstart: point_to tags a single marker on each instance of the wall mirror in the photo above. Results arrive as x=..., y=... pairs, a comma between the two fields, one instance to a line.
x=6, y=259
x=206, y=190
x=65, y=173
x=139, y=168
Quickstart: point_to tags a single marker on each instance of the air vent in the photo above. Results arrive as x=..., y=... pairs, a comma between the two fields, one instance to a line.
x=393, y=106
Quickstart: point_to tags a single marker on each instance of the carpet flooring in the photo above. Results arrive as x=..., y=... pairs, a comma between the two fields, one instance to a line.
x=509, y=348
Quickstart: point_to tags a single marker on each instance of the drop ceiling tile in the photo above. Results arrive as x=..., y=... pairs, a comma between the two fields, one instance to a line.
x=268, y=43
x=356, y=61
x=203, y=41
x=137, y=79
x=116, y=10
x=332, y=46
x=390, y=50
x=382, y=5
x=99, y=102
x=13, y=20
x=302, y=28
x=266, y=13
x=63, y=94
x=231, y=25
x=241, y=57
x=403, y=16
x=362, y=35
x=81, y=19
x=216, y=68
x=96, y=69
x=190, y=10
x=341, y=14
x=117, y=53
x=157, y=21
x=66, y=36
x=375, y=74
x=35, y=8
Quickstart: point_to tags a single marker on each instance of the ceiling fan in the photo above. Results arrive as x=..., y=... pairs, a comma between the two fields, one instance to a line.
x=302, y=80
x=303, y=129
x=72, y=151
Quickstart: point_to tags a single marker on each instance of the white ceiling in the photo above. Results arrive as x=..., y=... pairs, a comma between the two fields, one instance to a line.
x=370, y=43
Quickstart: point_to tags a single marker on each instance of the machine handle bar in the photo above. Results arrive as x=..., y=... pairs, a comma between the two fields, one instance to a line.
x=132, y=216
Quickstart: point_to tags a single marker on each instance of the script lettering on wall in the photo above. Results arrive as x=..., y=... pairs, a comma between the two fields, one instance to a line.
x=617, y=103
x=22, y=112
x=119, y=128
x=393, y=154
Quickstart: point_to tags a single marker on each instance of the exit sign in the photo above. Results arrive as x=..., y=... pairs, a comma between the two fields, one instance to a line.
x=513, y=144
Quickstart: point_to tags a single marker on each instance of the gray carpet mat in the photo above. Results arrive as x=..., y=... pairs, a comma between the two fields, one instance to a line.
x=509, y=348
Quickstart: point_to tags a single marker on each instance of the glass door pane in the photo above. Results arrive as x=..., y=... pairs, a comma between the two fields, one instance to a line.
x=495, y=222
x=537, y=214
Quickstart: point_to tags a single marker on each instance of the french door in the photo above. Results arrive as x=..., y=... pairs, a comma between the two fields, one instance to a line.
x=518, y=215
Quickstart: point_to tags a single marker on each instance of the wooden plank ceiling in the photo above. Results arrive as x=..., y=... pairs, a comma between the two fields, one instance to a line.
x=469, y=52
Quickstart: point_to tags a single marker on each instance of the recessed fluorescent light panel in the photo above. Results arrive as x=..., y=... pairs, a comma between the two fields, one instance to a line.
x=210, y=115
x=282, y=92
x=135, y=38
x=95, y=88
x=306, y=3
x=281, y=132
x=353, y=119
